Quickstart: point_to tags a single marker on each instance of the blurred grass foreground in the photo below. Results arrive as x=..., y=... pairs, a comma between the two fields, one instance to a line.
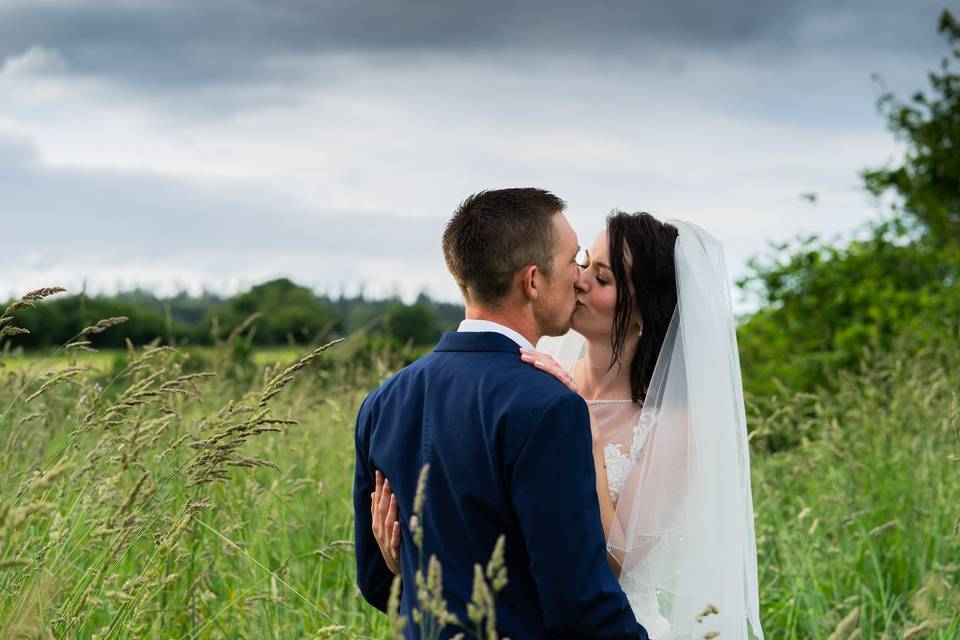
x=194, y=480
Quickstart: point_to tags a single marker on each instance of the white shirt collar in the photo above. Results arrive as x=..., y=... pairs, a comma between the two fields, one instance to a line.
x=486, y=325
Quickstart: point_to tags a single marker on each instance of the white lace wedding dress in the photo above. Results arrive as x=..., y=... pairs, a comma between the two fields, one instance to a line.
x=683, y=525
x=625, y=430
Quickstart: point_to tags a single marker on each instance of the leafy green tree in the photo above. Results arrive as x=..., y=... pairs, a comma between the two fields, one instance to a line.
x=289, y=312
x=286, y=311
x=927, y=181
x=54, y=323
x=417, y=323
x=823, y=305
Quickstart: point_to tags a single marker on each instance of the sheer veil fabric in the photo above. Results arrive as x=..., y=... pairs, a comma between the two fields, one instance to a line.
x=683, y=530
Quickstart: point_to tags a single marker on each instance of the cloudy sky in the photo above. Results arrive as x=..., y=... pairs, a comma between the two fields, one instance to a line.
x=181, y=144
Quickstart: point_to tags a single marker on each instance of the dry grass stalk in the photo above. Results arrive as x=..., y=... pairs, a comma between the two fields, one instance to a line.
x=846, y=625
x=240, y=328
x=886, y=526
x=285, y=377
x=79, y=345
x=418, y=501
x=46, y=478
x=397, y=622
x=11, y=330
x=27, y=300
x=43, y=292
x=103, y=325
x=481, y=606
x=60, y=376
x=925, y=628
x=335, y=546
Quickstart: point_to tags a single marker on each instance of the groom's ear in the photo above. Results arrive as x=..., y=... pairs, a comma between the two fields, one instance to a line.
x=529, y=281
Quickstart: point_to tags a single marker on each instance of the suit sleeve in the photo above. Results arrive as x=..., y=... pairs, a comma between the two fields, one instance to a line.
x=553, y=488
x=373, y=576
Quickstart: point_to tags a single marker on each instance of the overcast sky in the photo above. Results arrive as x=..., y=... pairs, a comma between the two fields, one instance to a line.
x=182, y=144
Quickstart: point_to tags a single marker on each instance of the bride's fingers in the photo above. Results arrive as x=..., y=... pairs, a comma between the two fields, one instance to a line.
x=378, y=487
x=391, y=518
x=541, y=362
x=395, y=539
x=549, y=360
x=551, y=366
x=374, y=521
x=384, y=502
x=375, y=496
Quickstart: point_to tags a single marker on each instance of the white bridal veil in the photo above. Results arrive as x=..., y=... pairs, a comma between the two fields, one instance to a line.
x=683, y=529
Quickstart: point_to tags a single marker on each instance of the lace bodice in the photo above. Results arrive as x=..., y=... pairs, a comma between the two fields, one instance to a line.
x=623, y=425
x=614, y=419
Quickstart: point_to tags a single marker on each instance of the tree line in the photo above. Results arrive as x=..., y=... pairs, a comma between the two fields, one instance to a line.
x=278, y=312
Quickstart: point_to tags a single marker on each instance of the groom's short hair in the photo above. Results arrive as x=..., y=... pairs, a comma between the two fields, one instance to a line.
x=493, y=234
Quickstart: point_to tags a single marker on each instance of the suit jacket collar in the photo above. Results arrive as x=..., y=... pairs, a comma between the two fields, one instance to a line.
x=476, y=341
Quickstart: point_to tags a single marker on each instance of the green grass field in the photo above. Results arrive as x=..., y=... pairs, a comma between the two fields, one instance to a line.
x=102, y=360
x=139, y=499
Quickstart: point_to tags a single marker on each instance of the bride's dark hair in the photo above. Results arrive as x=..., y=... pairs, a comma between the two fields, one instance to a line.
x=649, y=281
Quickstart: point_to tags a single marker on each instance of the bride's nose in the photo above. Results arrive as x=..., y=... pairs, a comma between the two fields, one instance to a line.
x=581, y=284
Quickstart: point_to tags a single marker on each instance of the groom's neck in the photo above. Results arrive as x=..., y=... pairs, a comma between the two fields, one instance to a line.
x=520, y=320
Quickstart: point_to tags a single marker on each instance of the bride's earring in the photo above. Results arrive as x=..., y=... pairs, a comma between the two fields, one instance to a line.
x=640, y=332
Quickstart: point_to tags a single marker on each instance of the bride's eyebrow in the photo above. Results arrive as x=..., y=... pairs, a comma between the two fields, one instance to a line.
x=599, y=264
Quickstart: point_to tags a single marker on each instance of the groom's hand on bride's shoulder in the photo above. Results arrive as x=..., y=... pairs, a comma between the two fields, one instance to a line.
x=546, y=363
x=386, y=526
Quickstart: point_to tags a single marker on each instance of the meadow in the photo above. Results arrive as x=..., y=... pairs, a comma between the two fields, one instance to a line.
x=166, y=493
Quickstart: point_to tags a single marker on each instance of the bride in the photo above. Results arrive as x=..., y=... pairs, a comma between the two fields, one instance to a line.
x=653, y=353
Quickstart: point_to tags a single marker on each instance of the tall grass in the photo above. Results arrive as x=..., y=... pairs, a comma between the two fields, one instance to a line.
x=857, y=524
x=154, y=500
x=158, y=502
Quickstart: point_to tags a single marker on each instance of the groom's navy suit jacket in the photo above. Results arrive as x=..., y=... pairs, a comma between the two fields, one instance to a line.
x=509, y=449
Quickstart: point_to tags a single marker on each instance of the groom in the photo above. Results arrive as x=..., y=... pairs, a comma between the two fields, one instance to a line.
x=509, y=447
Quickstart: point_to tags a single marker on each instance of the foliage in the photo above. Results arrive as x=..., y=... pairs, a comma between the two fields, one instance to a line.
x=857, y=524
x=417, y=323
x=928, y=179
x=289, y=314
x=55, y=323
x=822, y=304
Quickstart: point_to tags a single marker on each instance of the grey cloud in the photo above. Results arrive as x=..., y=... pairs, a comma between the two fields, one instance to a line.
x=184, y=43
x=75, y=215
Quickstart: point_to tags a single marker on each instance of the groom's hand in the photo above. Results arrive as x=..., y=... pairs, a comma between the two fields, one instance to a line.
x=386, y=527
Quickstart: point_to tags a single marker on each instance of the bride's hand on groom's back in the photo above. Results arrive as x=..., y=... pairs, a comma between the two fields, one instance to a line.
x=386, y=527
x=545, y=362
